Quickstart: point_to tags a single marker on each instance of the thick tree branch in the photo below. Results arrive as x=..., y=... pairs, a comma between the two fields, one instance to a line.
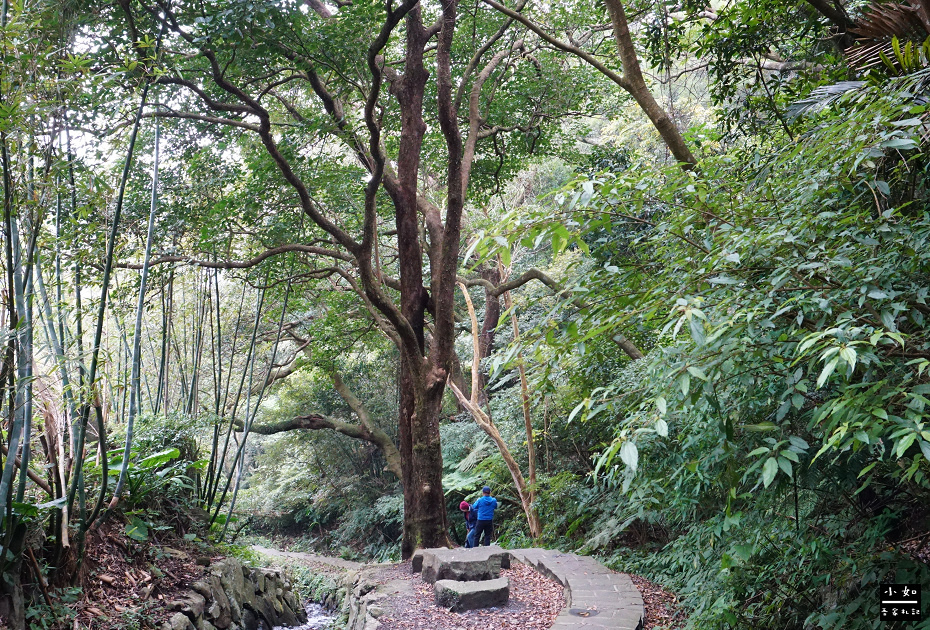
x=215, y=105
x=244, y=264
x=444, y=278
x=317, y=422
x=474, y=112
x=640, y=91
x=484, y=421
x=498, y=290
x=228, y=122
x=564, y=47
x=833, y=13
x=631, y=80
x=476, y=58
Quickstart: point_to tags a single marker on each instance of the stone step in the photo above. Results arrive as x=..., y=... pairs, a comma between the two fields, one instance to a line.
x=472, y=595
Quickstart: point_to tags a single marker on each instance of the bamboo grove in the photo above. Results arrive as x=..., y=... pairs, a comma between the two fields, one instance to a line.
x=94, y=339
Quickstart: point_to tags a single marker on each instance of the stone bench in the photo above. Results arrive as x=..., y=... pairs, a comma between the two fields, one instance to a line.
x=460, y=565
x=596, y=598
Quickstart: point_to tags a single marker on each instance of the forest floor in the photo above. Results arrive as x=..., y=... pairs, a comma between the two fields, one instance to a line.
x=127, y=583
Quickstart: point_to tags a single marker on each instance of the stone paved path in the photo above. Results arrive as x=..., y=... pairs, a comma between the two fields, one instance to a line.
x=595, y=597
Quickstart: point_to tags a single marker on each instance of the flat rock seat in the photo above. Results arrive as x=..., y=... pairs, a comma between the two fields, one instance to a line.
x=461, y=565
x=471, y=595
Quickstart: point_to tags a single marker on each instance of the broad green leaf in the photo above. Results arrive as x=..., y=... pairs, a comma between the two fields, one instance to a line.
x=697, y=330
x=629, y=455
x=25, y=509
x=899, y=143
x=799, y=443
x=137, y=529
x=785, y=465
x=848, y=354
x=57, y=504
x=925, y=449
x=827, y=371
x=662, y=427
x=904, y=444
x=769, y=470
x=866, y=470
x=697, y=372
x=743, y=552
x=159, y=459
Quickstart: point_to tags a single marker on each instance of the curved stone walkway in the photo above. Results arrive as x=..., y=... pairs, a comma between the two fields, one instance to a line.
x=595, y=597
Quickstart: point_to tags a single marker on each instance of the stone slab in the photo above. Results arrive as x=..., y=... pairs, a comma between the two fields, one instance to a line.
x=472, y=595
x=613, y=598
x=463, y=565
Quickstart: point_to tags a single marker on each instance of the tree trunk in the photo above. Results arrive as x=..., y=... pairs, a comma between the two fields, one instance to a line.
x=484, y=421
x=492, y=315
x=640, y=91
x=425, y=522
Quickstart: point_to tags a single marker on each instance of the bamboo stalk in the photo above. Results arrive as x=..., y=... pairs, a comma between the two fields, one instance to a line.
x=134, y=380
x=250, y=365
x=250, y=417
x=101, y=312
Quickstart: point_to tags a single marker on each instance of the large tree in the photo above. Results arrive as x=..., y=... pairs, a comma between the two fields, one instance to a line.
x=345, y=93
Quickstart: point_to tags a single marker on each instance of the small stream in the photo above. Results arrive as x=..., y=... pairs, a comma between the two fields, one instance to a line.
x=317, y=619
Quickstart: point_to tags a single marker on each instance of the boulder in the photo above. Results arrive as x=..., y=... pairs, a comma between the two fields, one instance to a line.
x=230, y=596
x=416, y=561
x=190, y=603
x=463, y=565
x=250, y=620
x=218, y=610
x=462, y=596
x=179, y=621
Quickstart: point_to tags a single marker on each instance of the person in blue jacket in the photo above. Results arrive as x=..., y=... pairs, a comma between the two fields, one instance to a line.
x=485, y=507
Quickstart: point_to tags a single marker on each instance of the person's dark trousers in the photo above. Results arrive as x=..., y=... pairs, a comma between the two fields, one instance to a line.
x=484, y=527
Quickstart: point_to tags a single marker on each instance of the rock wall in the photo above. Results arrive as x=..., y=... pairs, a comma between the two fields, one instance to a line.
x=231, y=596
x=363, y=601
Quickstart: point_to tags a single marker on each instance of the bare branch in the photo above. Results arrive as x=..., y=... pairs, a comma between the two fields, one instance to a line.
x=209, y=264
x=474, y=113
x=473, y=63
x=625, y=344
x=563, y=46
x=497, y=290
x=229, y=122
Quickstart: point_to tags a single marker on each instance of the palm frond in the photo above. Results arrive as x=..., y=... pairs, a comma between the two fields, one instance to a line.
x=822, y=97
x=879, y=26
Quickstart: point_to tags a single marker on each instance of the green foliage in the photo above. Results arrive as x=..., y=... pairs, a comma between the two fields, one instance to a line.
x=774, y=444
x=41, y=616
x=309, y=585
